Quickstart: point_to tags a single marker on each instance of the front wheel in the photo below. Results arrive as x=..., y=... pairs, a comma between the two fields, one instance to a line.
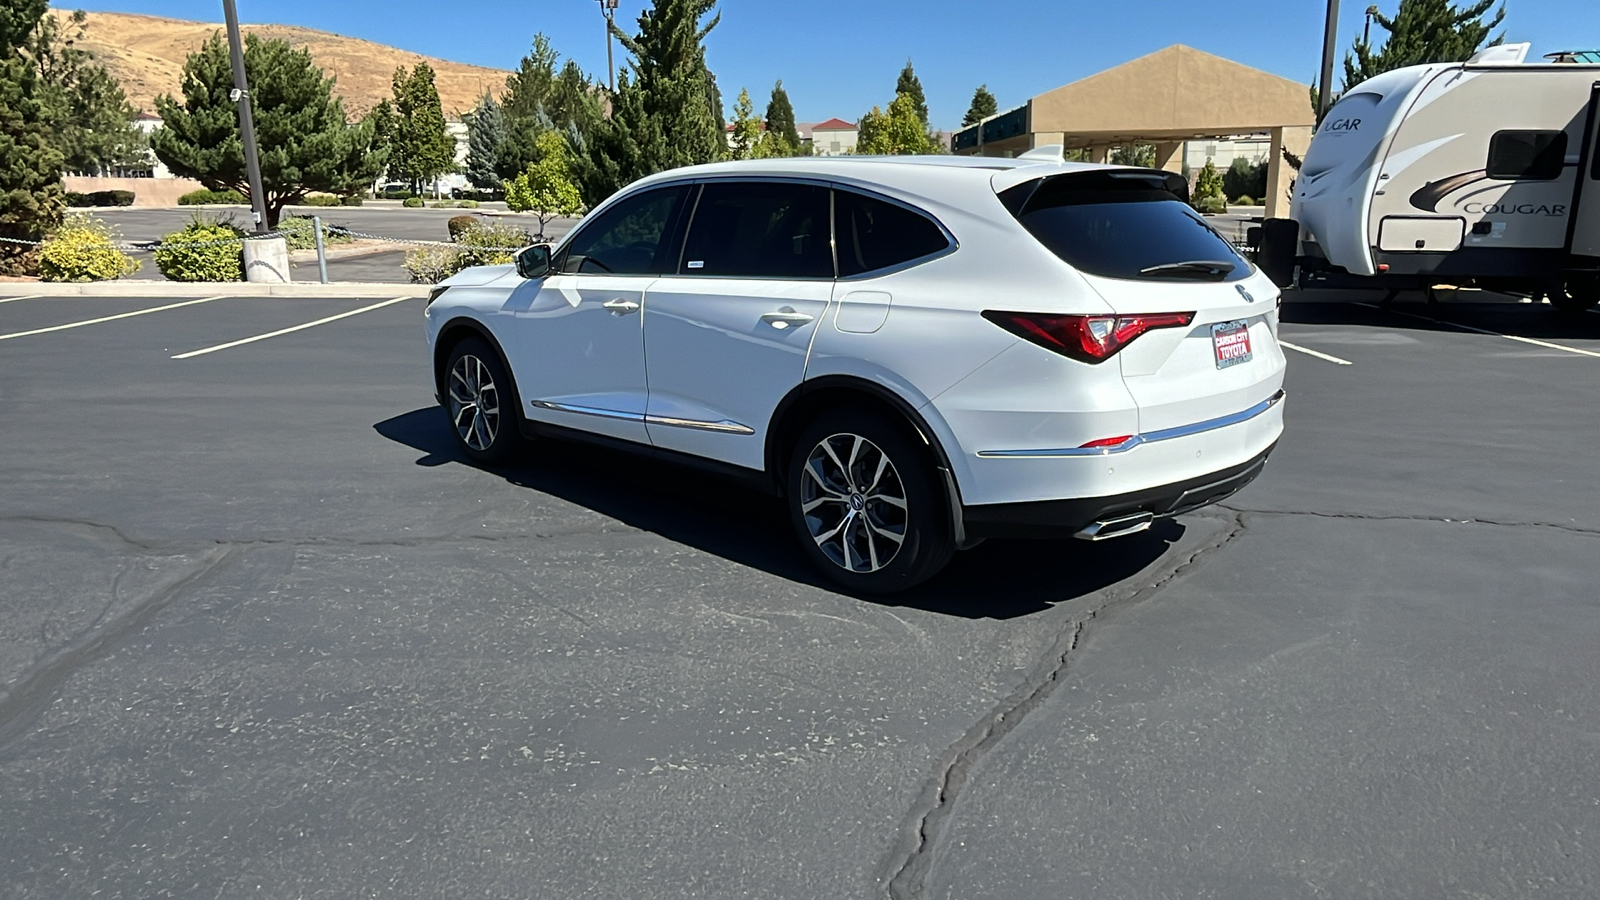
x=1581, y=292
x=865, y=503
x=481, y=402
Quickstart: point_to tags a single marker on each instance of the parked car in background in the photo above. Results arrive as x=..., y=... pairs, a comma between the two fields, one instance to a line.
x=916, y=353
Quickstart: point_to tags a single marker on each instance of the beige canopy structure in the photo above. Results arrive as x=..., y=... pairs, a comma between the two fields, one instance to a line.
x=1165, y=98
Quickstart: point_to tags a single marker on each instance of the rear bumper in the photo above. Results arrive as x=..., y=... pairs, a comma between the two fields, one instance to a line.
x=1066, y=518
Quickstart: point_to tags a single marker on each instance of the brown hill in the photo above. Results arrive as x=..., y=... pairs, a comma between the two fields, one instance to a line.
x=146, y=54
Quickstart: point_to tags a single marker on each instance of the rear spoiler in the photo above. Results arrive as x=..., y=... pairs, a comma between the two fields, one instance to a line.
x=1017, y=187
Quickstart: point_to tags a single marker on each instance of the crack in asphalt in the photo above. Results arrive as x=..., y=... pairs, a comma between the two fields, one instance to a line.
x=911, y=861
x=34, y=689
x=250, y=543
x=1442, y=520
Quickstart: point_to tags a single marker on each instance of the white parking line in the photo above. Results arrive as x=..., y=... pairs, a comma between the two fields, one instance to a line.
x=23, y=297
x=126, y=315
x=1510, y=337
x=272, y=334
x=1318, y=354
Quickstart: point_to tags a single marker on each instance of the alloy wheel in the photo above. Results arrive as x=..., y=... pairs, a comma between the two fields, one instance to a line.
x=853, y=503
x=474, y=403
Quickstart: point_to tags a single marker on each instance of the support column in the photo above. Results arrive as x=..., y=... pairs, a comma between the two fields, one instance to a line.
x=1046, y=138
x=1169, y=157
x=1296, y=139
x=1100, y=153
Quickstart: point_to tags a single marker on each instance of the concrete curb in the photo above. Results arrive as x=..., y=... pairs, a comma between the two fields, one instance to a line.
x=185, y=289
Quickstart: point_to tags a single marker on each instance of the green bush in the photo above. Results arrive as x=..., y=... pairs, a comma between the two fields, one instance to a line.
x=1245, y=200
x=413, y=203
x=119, y=198
x=76, y=199
x=1245, y=179
x=204, y=196
x=1211, y=205
x=100, y=198
x=319, y=200
x=469, y=204
x=458, y=224
x=84, y=250
x=487, y=243
x=298, y=233
x=431, y=265
x=352, y=200
x=444, y=204
x=181, y=256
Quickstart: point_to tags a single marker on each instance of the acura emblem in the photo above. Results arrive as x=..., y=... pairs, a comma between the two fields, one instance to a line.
x=1244, y=293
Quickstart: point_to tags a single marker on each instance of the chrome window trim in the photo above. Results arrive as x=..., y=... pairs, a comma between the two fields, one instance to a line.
x=723, y=427
x=1165, y=434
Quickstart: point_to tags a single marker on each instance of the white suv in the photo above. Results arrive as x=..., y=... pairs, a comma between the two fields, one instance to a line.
x=917, y=352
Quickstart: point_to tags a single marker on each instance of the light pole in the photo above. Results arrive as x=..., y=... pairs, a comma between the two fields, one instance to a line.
x=247, y=123
x=1330, y=32
x=609, y=7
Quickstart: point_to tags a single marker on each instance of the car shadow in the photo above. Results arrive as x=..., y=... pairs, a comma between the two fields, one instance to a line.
x=996, y=580
x=1364, y=308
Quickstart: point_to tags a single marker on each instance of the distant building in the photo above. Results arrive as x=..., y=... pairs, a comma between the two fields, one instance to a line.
x=1223, y=151
x=150, y=166
x=834, y=137
x=728, y=132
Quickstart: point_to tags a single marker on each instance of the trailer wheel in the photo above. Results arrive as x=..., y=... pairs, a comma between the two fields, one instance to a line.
x=1581, y=292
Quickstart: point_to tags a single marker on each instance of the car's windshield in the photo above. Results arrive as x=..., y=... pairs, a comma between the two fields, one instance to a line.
x=1123, y=229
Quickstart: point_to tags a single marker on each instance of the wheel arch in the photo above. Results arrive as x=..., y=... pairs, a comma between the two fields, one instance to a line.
x=811, y=397
x=454, y=332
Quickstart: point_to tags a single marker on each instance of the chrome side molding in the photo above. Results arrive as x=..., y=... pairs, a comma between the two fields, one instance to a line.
x=1165, y=434
x=722, y=427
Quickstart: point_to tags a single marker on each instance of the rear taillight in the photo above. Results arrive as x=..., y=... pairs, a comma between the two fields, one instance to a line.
x=1089, y=339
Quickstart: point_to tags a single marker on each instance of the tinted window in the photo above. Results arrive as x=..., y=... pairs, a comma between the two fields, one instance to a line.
x=1122, y=228
x=760, y=230
x=1530, y=155
x=628, y=238
x=875, y=234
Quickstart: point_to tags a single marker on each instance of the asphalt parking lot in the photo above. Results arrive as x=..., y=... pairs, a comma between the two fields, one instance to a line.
x=263, y=632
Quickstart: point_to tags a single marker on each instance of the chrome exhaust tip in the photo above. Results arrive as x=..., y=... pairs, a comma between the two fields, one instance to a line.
x=1106, y=529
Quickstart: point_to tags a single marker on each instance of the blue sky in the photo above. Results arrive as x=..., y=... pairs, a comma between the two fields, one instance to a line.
x=841, y=57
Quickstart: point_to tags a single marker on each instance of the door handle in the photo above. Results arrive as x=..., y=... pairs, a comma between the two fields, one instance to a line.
x=621, y=306
x=786, y=317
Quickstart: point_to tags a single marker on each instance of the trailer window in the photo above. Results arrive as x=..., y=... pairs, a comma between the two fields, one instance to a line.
x=1527, y=155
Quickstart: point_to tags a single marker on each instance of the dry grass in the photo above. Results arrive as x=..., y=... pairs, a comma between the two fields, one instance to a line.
x=146, y=54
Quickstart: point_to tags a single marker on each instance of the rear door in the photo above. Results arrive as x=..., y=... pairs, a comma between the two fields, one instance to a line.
x=727, y=336
x=1145, y=251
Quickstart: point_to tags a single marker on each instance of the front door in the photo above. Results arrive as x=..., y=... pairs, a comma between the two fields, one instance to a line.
x=728, y=335
x=578, y=344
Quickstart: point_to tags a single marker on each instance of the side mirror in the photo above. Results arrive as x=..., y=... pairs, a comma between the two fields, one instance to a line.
x=534, y=262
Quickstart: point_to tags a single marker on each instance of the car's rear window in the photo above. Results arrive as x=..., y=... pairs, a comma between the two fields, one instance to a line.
x=1122, y=226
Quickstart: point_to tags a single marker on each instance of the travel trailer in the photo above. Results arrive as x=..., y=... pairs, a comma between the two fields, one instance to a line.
x=1484, y=173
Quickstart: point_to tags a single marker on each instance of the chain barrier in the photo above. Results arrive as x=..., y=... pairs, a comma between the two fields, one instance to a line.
x=335, y=229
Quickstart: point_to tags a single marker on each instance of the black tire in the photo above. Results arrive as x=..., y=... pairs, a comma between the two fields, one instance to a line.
x=1581, y=292
x=480, y=402
x=855, y=528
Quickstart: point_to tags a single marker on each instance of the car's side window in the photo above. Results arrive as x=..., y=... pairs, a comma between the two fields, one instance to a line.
x=760, y=229
x=875, y=234
x=627, y=239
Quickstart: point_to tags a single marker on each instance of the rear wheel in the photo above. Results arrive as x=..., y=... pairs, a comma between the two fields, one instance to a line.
x=1580, y=293
x=481, y=402
x=865, y=503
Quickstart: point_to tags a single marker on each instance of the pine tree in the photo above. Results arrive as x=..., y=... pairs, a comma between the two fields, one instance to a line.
x=540, y=97
x=1423, y=31
x=676, y=124
x=910, y=85
x=306, y=144
x=780, y=120
x=422, y=147
x=486, y=129
x=31, y=199
x=983, y=106
x=91, y=119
